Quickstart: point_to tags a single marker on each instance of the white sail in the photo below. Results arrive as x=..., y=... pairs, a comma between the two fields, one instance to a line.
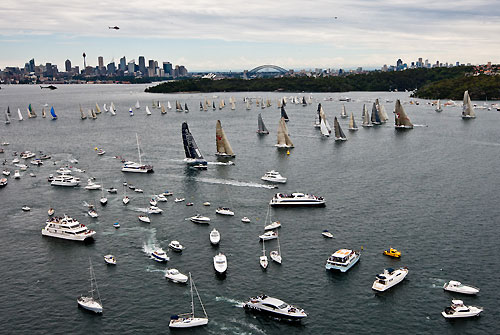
x=163, y=111
x=137, y=105
x=352, y=123
x=233, y=105
x=20, y=115
x=168, y=105
x=222, y=143
x=381, y=111
x=148, y=112
x=401, y=119
x=284, y=140
x=439, y=108
x=467, y=108
x=343, y=113
x=248, y=104
x=105, y=108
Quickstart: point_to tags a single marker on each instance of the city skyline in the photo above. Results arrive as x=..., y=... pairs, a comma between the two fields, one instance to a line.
x=218, y=35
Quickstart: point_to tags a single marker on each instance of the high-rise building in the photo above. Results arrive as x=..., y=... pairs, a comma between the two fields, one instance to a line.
x=167, y=68
x=182, y=71
x=142, y=64
x=100, y=62
x=123, y=64
x=67, y=65
x=131, y=67
x=151, y=64
x=32, y=65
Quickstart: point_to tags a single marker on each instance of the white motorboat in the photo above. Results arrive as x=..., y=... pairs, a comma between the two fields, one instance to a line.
x=153, y=202
x=273, y=225
x=189, y=320
x=274, y=177
x=274, y=307
x=91, y=185
x=297, y=199
x=327, y=234
x=22, y=167
x=100, y=152
x=458, y=287
x=459, y=310
x=176, y=246
x=15, y=160
x=179, y=199
x=206, y=203
x=154, y=210
x=144, y=218
x=67, y=228
x=51, y=211
x=214, y=237
x=200, y=219
x=126, y=200
x=27, y=154
x=268, y=235
x=220, y=263
x=65, y=180
x=263, y=261
x=6, y=172
x=3, y=182
x=160, y=197
x=110, y=259
x=342, y=260
x=389, y=278
x=36, y=162
x=224, y=211
x=175, y=276
x=93, y=302
x=160, y=255
x=138, y=190
x=112, y=190
x=245, y=219
x=26, y=208
x=167, y=194
x=92, y=213
x=17, y=175
x=32, y=174
x=63, y=171
x=103, y=199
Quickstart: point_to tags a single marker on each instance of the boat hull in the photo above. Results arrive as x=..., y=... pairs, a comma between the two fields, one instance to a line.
x=91, y=306
x=297, y=203
x=329, y=266
x=72, y=237
x=188, y=322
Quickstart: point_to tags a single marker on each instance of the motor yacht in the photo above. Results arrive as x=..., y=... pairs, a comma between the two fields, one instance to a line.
x=63, y=171
x=26, y=208
x=65, y=180
x=67, y=228
x=297, y=199
x=342, y=260
x=224, y=211
x=206, y=203
x=100, y=152
x=220, y=263
x=17, y=175
x=459, y=310
x=144, y=218
x=154, y=210
x=126, y=200
x=160, y=255
x=167, y=194
x=268, y=235
x=273, y=225
x=327, y=234
x=129, y=166
x=274, y=177
x=91, y=185
x=389, y=278
x=176, y=246
x=274, y=307
x=36, y=162
x=200, y=219
x=245, y=219
x=110, y=259
x=6, y=172
x=214, y=237
x=32, y=174
x=138, y=190
x=22, y=167
x=458, y=287
x=160, y=197
x=27, y=154
x=175, y=276
x=15, y=160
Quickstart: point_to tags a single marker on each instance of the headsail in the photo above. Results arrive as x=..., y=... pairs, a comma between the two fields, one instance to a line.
x=223, y=146
x=401, y=120
x=283, y=114
x=262, y=127
x=467, y=109
x=324, y=125
x=283, y=137
x=53, y=113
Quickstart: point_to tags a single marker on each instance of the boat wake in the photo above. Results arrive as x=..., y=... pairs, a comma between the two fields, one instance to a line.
x=233, y=182
x=149, y=245
x=221, y=163
x=234, y=326
x=149, y=269
x=420, y=125
x=236, y=303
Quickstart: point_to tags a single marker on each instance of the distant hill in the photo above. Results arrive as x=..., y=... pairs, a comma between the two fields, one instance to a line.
x=480, y=87
x=371, y=81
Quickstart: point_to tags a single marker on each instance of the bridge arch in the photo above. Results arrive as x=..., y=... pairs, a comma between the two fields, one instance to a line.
x=274, y=67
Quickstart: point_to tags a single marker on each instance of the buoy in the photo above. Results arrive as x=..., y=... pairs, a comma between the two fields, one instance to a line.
x=288, y=152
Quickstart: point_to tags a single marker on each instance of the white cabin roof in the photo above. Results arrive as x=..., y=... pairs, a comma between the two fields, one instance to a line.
x=342, y=253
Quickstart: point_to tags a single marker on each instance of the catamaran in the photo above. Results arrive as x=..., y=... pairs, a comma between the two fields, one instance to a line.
x=194, y=157
x=188, y=320
x=262, y=130
x=339, y=134
x=401, y=120
x=93, y=302
x=284, y=140
x=467, y=108
x=223, y=147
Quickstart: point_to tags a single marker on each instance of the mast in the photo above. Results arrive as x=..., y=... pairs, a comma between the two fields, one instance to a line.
x=138, y=149
x=192, y=300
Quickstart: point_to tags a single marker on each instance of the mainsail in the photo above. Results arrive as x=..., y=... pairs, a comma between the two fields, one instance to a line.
x=19, y=114
x=53, y=113
x=381, y=111
x=82, y=114
x=343, y=113
x=467, y=109
x=324, y=125
x=7, y=117
x=262, y=127
x=283, y=137
x=375, y=117
x=352, y=123
x=223, y=146
x=283, y=113
x=339, y=134
x=97, y=109
x=401, y=120
x=366, y=118
x=190, y=148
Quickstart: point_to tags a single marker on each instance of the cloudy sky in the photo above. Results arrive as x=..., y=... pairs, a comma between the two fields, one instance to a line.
x=236, y=34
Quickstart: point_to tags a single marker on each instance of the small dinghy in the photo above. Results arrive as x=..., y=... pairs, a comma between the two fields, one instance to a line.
x=175, y=276
x=26, y=208
x=176, y=246
x=245, y=219
x=458, y=287
x=327, y=234
x=116, y=225
x=144, y=218
x=51, y=211
x=92, y=213
x=110, y=259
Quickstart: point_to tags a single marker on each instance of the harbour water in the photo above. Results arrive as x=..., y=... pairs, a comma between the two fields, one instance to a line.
x=430, y=192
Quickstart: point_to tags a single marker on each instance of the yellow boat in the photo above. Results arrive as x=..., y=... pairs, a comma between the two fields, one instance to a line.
x=392, y=252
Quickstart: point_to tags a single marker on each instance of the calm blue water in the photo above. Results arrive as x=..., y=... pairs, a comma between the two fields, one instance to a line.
x=431, y=192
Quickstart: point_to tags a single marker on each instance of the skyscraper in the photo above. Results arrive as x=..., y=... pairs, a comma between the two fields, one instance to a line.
x=131, y=67
x=167, y=68
x=142, y=64
x=67, y=65
x=123, y=64
x=32, y=65
x=100, y=62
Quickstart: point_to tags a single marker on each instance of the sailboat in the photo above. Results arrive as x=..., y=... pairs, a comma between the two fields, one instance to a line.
x=31, y=112
x=131, y=112
x=53, y=113
x=213, y=105
x=317, y=121
x=178, y=107
x=105, y=108
x=93, y=302
x=112, y=109
x=163, y=111
x=276, y=254
x=188, y=320
x=375, y=118
x=93, y=115
x=339, y=134
x=248, y=104
x=283, y=114
x=169, y=106
x=352, y=123
x=97, y=109
x=148, y=112
x=439, y=108
x=205, y=106
x=467, y=108
x=130, y=166
x=401, y=120
x=19, y=114
x=263, y=259
x=324, y=125
x=221, y=104
x=186, y=109
x=137, y=105
x=284, y=140
x=43, y=112
x=261, y=126
x=366, y=118
x=7, y=117
x=223, y=147
x=201, y=106
x=193, y=155
x=381, y=111
x=233, y=105
x=82, y=114
x=343, y=113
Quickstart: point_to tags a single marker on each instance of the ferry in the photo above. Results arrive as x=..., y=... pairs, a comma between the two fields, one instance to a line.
x=342, y=260
x=65, y=180
x=67, y=228
x=297, y=199
x=274, y=307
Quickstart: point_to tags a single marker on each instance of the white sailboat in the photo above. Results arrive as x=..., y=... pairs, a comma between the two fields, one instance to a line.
x=112, y=109
x=263, y=259
x=148, y=112
x=352, y=123
x=343, y=113
x=323, y=123
x=169, y=106
x=284, y=140
x=223, y=147
x=137, y=105
x=105, y=108
x=366, y=118
x=401, y=120
x=83, y=116
x=261, y=126
x=381, y=111
x=19, y=114
x=467, y=108
x=438, y=106
x=163, y=111
x=276, y=254
x=189, y=320
x=130, y=166
x=339, y=134
x=93, y=302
